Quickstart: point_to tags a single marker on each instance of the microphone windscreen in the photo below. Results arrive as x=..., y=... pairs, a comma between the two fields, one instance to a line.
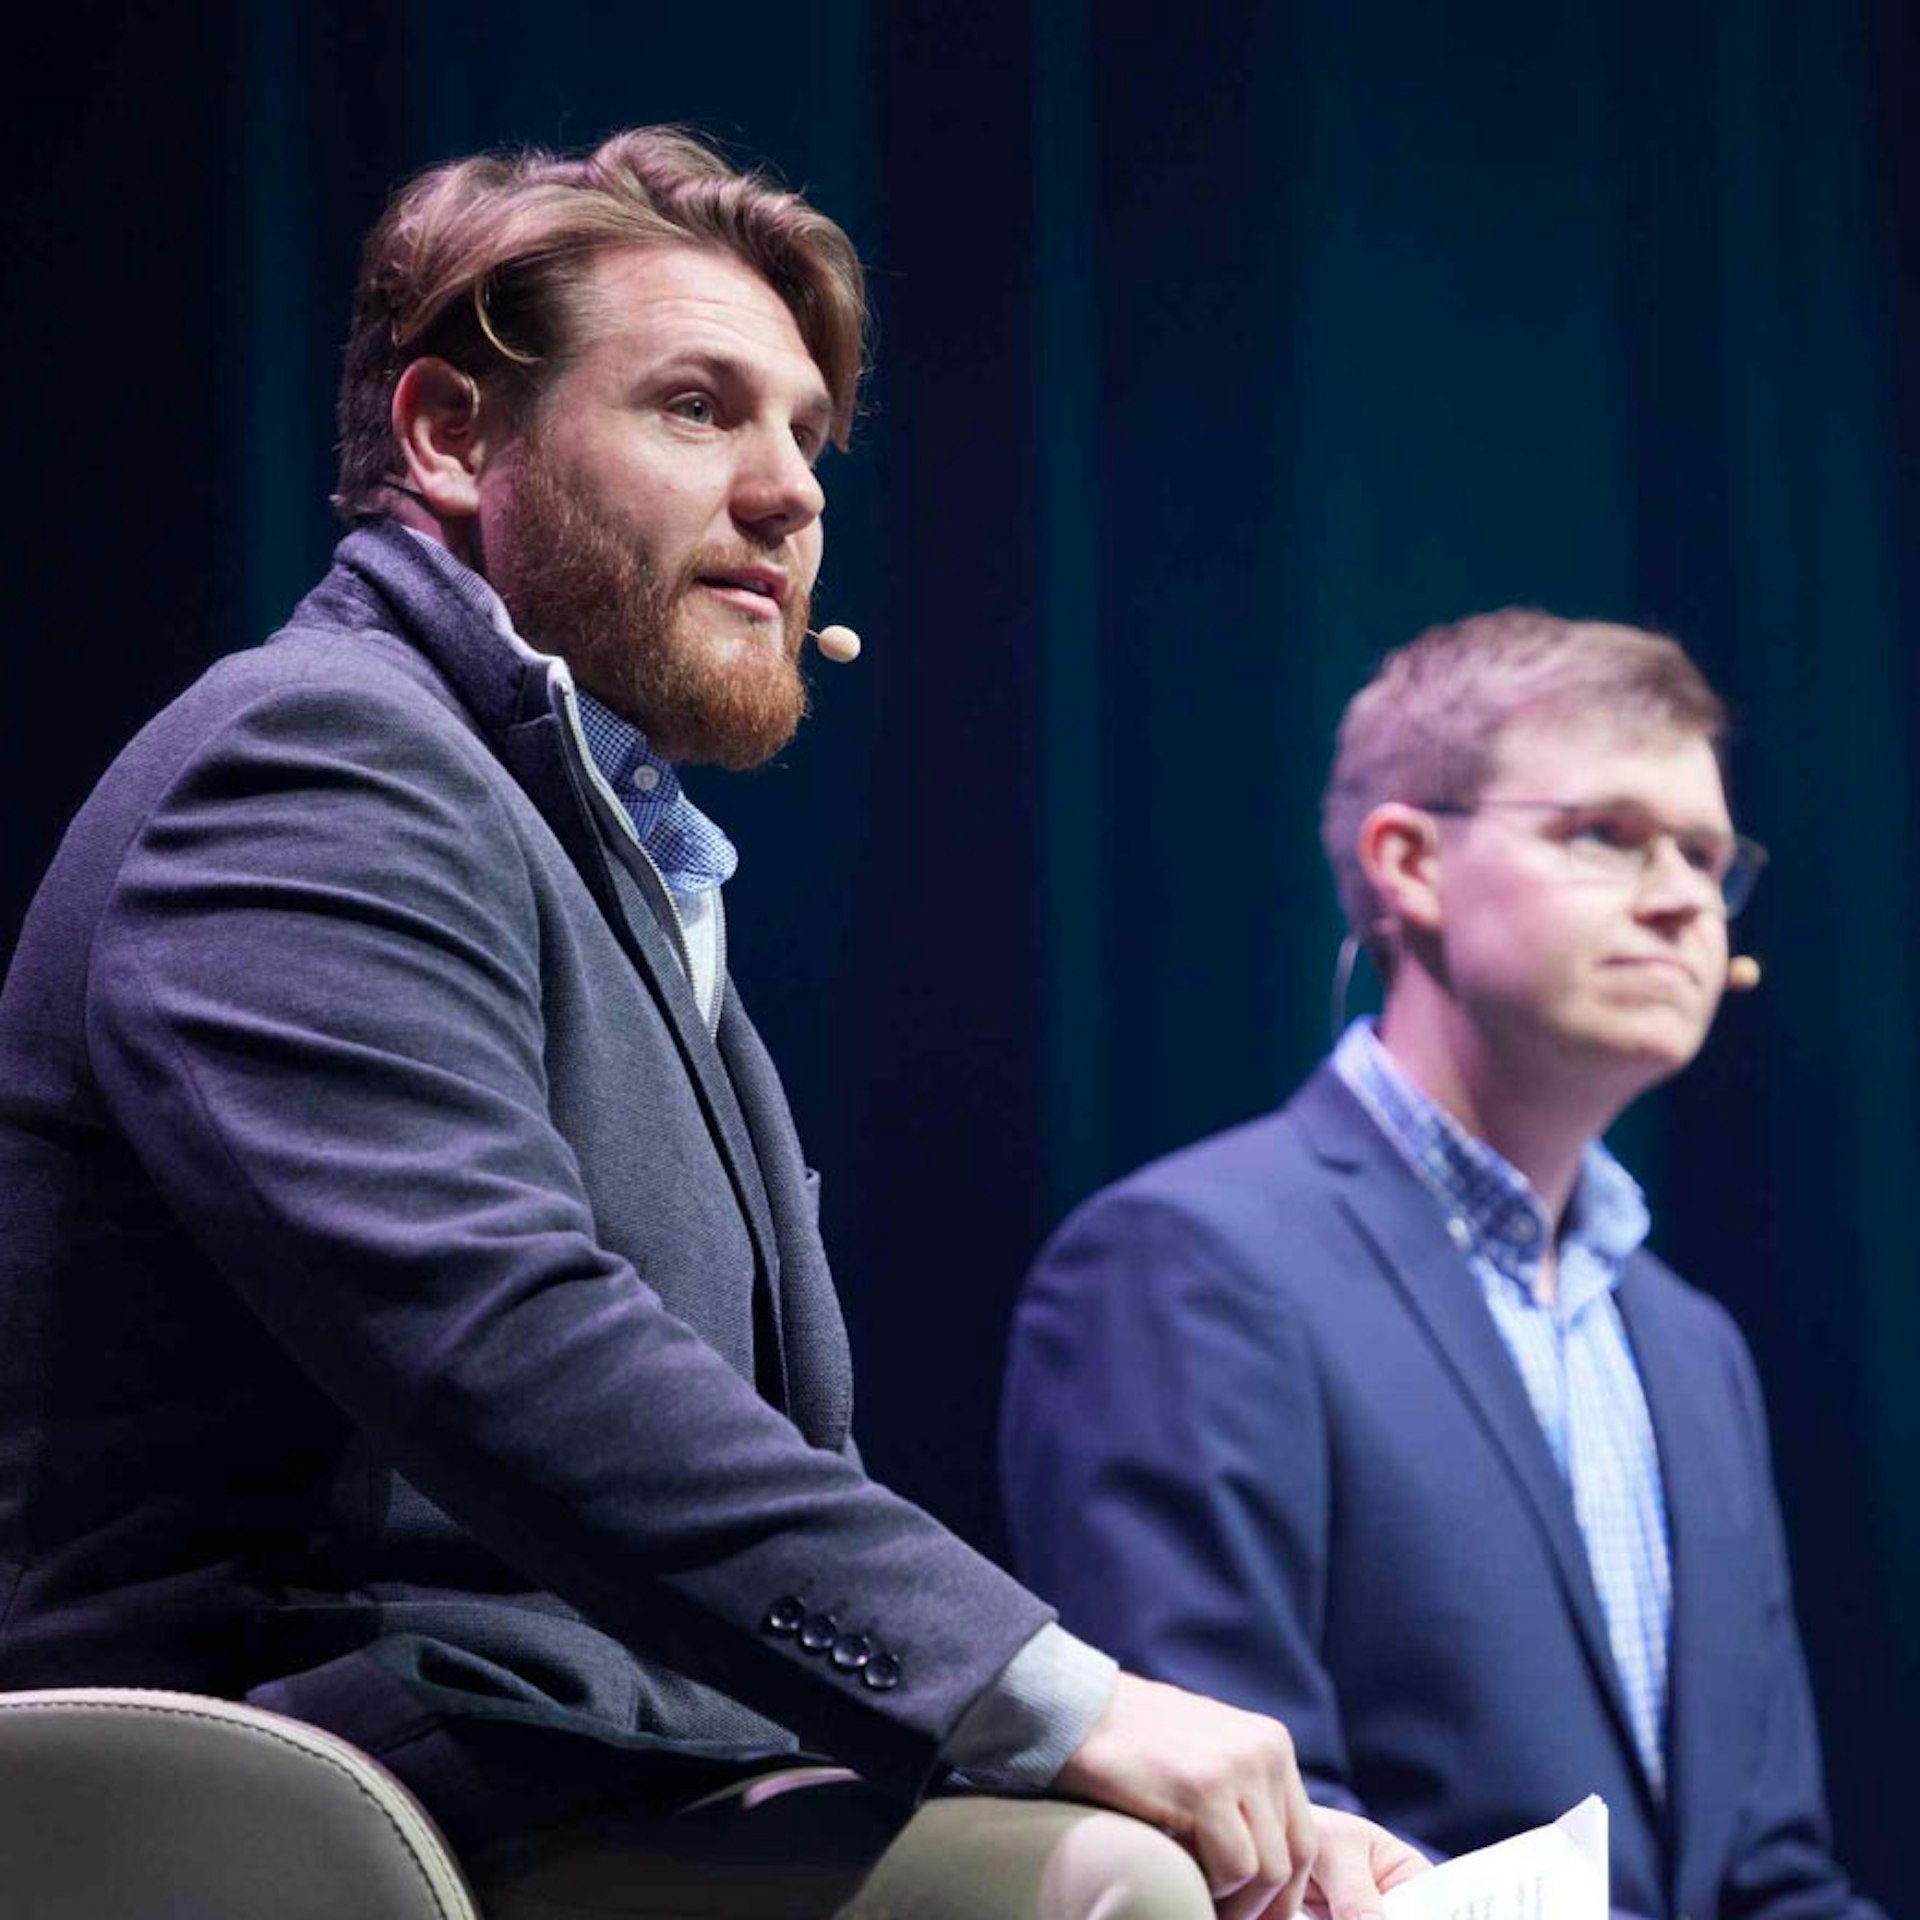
x=1743, y=973
x=838, y=643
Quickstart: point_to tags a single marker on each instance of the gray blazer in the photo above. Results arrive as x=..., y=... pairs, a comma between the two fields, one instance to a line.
x=390, y=1257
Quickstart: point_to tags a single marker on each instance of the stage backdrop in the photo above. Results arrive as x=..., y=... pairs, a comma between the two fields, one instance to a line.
x=1216, y=354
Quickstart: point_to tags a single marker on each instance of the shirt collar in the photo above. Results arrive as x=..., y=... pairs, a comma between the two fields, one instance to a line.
x=1607, y=1215
x=692, y=853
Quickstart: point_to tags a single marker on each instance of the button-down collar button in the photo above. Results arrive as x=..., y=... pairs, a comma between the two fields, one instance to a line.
x=851, y=1652
x=646, y=778
x=784, y=1616
x=818, y=1631
x=881, y=1673
x=1459, y=1233
x=1525, y=1228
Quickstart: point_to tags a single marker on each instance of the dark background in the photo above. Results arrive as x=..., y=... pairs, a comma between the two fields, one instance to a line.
x=1221, y=346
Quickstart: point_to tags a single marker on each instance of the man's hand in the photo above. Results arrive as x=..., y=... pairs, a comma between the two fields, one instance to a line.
x=1356, y=1863
x=1224, y=1783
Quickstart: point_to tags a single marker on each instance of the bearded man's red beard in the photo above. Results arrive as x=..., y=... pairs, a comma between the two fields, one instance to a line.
x=580, y=586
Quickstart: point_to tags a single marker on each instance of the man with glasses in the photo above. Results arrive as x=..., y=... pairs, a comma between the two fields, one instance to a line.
x=1375, y=1414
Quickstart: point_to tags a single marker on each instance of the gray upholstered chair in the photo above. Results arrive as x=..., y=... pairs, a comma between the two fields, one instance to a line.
x=120, y=1803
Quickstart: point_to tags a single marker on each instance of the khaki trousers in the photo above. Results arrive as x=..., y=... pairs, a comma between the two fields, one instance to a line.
x=814, y=1843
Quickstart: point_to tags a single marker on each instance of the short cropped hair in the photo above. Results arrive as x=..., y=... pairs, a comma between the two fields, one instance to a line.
x=481, y=262
x=1425, y=729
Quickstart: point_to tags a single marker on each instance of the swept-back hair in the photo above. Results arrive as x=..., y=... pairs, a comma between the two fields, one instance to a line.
x=482, y=261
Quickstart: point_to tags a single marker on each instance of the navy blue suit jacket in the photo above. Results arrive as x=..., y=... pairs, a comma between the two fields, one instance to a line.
x=1262, y=1439
x=395, y=1268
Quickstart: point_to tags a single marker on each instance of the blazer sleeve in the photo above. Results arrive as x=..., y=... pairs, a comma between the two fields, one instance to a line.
x=1153, y=1383
x=314, y=1007
x=1781, y=1864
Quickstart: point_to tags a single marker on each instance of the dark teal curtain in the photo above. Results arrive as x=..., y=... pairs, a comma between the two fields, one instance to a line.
x=1219, y=349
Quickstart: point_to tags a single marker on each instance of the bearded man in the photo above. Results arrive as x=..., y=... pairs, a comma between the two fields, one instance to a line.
x=412, y=1313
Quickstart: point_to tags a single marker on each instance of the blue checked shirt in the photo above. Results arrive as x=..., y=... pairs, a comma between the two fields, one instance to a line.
x=1572, y=1353
x=693, y=855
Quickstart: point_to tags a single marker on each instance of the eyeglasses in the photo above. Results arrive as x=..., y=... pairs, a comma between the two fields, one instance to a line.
x=1616, y=844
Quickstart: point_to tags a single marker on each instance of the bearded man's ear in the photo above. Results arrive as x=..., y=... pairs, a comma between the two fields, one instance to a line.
x=443, y=434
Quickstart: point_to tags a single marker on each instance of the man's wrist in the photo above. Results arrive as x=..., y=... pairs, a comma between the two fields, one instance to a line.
x=1023, y=1729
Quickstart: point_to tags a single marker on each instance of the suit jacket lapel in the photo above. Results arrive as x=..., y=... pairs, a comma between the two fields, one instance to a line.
x=818, y=1376
x=1404, y=1227
x=1705, y=1695
x=645, y=912
x=626, y=886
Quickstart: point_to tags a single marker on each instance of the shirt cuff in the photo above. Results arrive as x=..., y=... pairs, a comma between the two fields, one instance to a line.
x=1026, y=1726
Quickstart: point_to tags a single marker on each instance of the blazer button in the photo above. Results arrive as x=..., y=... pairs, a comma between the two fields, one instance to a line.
x=818, y=1631
x=851, y=1652
x=881, y=1673
x=785, y=1616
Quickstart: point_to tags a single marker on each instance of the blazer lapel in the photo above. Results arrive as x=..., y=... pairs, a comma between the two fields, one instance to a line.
x=818, y=1373
x=1405, y=1229
x=1702, y=1492
x=536, y=753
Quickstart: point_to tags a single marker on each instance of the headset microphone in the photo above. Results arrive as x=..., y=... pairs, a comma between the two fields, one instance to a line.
x=837, y=643
x=1743, y=973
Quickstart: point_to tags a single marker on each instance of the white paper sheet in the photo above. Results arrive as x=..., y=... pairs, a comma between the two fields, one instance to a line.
x=1558, y=1872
